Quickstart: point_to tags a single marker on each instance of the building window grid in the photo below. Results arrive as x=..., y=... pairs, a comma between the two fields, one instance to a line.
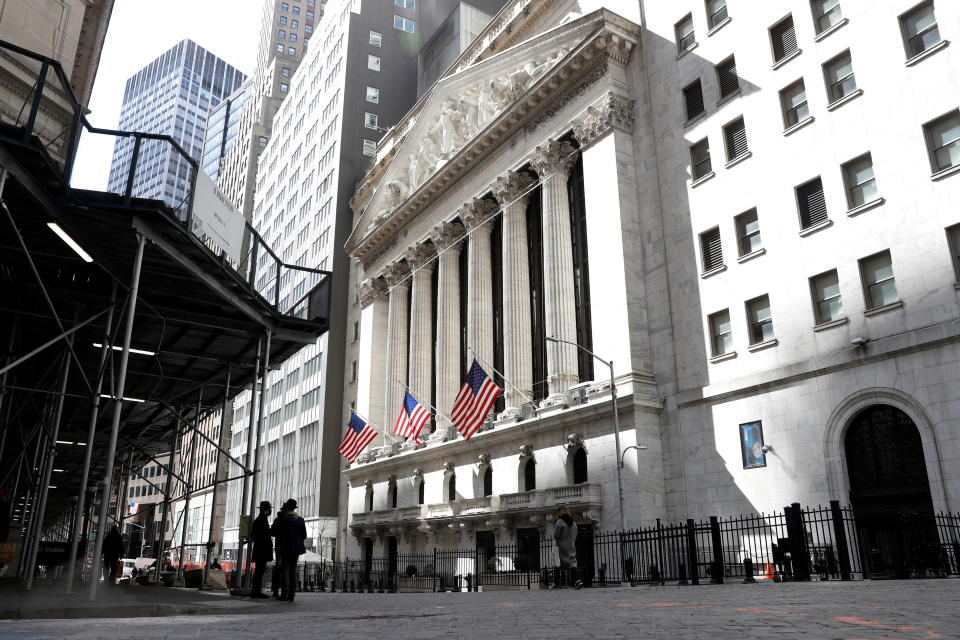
x=748, y=232
x=827, y=303
x=700, y=164
x=953, y=242
x=760, y=320
x=403, y=24
x=376, y=38
x=879, y=285
x=716, y=12
x=373, y=62
x=686, y=38
x=693, y=99
x=721, y=333
x=943, y=141
x=793, y=100
x=920, y=29
x=711, y=250
x=727, y=78
x=860, y=181
x=826, y=14
x=735, y=139
x=839, y=76
x=370, y=120
x=406, y=4
x=811, y=204
x=783, y=38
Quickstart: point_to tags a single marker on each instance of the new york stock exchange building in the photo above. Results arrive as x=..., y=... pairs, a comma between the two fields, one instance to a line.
x=771, y=276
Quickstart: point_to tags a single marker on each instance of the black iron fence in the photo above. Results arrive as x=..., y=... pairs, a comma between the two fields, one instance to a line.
x=798, y=544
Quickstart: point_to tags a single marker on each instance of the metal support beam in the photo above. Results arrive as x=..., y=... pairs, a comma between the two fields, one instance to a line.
x=117, y=410
x=166, y=499
x=219, y=472
x=194, y=424
x=254, y=402
x=186, y=500
x=166, y=467
x=261, y=414
x=63, y=335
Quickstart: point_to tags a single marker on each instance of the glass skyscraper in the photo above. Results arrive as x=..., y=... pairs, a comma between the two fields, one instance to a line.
x=172, y=95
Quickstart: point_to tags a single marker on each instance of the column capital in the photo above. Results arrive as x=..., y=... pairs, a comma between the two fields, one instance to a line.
x=421, y=256
x=553, y=157
x=478, y=214
x=448, y=234
x=510, y=186
x=371, y=289
x=396, y=274
x=613, y=110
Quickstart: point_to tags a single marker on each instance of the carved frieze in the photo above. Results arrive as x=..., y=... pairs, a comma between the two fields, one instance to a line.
x=447, y=234
x=526, y=451
x=448, y=466
x=512, y=186
x=421, y=256
x=553, y=157
x=369, y=290
x=613, y=111
x=397, y=274
x=483, y=459
x=478, y=213
x=574, y=440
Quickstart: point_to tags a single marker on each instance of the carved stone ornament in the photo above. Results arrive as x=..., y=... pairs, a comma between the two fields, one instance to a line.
x=483, y=458
x=364, y=458
x=368, y=484
x=613, y=111
x=526, y=451
x=421, y=256
x=478, y=213
x=448, y=466
x=574, y=440
x=392, y=478
x=447, y=234
x=418, y=472
x=397, y=274
x=370, y=290
x=553, y=157
x=512, y=186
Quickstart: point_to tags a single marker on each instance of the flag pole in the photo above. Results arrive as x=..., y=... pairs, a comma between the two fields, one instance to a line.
x=494, y=369
x=382, y=432
x=435, y=410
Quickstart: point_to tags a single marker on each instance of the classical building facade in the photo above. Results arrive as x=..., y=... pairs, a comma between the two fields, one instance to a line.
x=776, y=332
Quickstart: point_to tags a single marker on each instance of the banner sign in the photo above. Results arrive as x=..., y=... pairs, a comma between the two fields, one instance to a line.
x=216, y=221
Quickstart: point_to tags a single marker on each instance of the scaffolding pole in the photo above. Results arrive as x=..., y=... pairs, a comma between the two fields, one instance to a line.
x=261, y=413
x=248, y=463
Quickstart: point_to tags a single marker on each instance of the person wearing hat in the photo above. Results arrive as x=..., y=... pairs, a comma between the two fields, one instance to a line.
x=262, y=548
x=290, y=531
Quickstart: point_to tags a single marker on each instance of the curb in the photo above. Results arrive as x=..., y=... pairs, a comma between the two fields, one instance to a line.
x=130, y=611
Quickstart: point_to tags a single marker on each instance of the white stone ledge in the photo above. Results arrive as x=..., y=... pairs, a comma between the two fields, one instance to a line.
x=730, y=355
x=719, y=25
x=883, y=309
x=853, y=95
x=739, y=159
x=820, y=226
x=940, y=175
x=866, y=206
x=699, y=181
x=713, y=272
x=760, y=346
x=940, y=46
x=795, y=54
x=823, y=326
x=747, y=257
x=829, y=31
x=727, y=98
x=684, y=53
x=800, y=125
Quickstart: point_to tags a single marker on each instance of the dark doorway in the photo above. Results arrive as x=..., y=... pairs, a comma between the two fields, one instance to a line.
x=392, y=495
x=488, y=482
x=890, y=493
x=486, y=551
x=530, y=475
x=584, y=546
x=528, y=550
x=392, y=563
x=580, y=466
x=420, y=492
x=367, y=560
x=452, y=487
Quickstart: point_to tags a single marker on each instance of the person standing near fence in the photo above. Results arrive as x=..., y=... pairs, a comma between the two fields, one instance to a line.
x=112, y=550
x=565, y=536
x=262, y=548
x=290, y=531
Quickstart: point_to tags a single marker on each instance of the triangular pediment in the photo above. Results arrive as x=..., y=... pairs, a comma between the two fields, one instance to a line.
x=462, y=107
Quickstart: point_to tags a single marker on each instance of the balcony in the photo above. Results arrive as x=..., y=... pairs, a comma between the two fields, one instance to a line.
x=582, y=496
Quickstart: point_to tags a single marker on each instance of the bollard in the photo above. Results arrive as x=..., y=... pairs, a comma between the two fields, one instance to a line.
x=682, y=570
x=748, y=570
x=469, y=583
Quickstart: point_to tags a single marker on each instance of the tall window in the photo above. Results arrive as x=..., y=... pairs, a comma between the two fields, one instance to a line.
x=879, y=286
x=760, y=320
x=403, y=24
x=376, y=38
x=370, y=499
x=748, y=232
x=373, y=95
x=406, y=4
x=920, y=30
x=580, y=466
x=291, y=51
x=581, y=269
x=839, y=77
x=735, y=139
x=826, y=13
x=284, y=88
x=943, y=141
x=811, y=204
x=488, y=482
x=392, y=494
x=452, y=487
x=825, y=290
x=369, y=147
x=783, y=39
x=373, y=62
x=530, y=475
x=793, y=101
x=727, y=78
x=370, y=120
x=693, y=99
x=716, y=12
x=859, y=180
x=283, y=20
x=420, y=491
x=721, y=333
x=953, y=242
x=700, y=164
x=686, y=39
x=711, y=250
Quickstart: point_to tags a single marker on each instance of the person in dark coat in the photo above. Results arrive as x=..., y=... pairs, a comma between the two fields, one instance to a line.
x=565, y=536
x=262, y=548
x=290, y=532
x=111, y=552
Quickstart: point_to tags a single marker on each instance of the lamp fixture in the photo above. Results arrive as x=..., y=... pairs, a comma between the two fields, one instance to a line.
x=142, y=352
x=70, y=241
x=125, y=398
x=860, y=341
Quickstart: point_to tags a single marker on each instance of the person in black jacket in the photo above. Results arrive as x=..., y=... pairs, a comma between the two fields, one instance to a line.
x=290, y=531
x=262, y=548
x=111, y=551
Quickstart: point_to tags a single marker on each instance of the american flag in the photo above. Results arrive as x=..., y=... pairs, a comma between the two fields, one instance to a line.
x=474, y=401
x=411, y=419
x=358, y=436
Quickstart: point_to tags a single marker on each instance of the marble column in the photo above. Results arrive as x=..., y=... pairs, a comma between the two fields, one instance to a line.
x=552, y=162
x=478, y=217
x=372, y=360
x=510, y=192
x=421, y=260
x=448, y=238
x=397, y=276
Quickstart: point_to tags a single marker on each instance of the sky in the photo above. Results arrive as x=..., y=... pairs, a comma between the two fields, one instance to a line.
x=139, y=32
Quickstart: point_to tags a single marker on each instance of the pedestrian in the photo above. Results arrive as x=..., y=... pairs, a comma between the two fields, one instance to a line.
x=111, y=551
x=290, y=531
x=262, y=548
x=565, y=536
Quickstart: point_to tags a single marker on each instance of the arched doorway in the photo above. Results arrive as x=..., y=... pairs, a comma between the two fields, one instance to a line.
x=890, y=492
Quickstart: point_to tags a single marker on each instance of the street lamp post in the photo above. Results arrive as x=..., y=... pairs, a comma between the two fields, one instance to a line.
x=616, y=435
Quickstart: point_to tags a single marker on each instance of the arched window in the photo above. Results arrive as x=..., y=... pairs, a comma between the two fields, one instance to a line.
x=530, y=475
x=392, y=494
x=452, y=487
x=420, y=492
x=580, y=466
x=370, y=499
x=488, y=482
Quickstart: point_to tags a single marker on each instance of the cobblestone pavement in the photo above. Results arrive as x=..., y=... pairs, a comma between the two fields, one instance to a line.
x=867, y=610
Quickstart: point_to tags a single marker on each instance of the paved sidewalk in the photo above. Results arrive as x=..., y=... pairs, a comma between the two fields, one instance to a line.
x=927, y=609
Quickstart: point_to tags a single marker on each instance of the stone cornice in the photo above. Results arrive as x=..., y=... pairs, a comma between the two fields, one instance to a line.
x=613, y=110
x=612, y=38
